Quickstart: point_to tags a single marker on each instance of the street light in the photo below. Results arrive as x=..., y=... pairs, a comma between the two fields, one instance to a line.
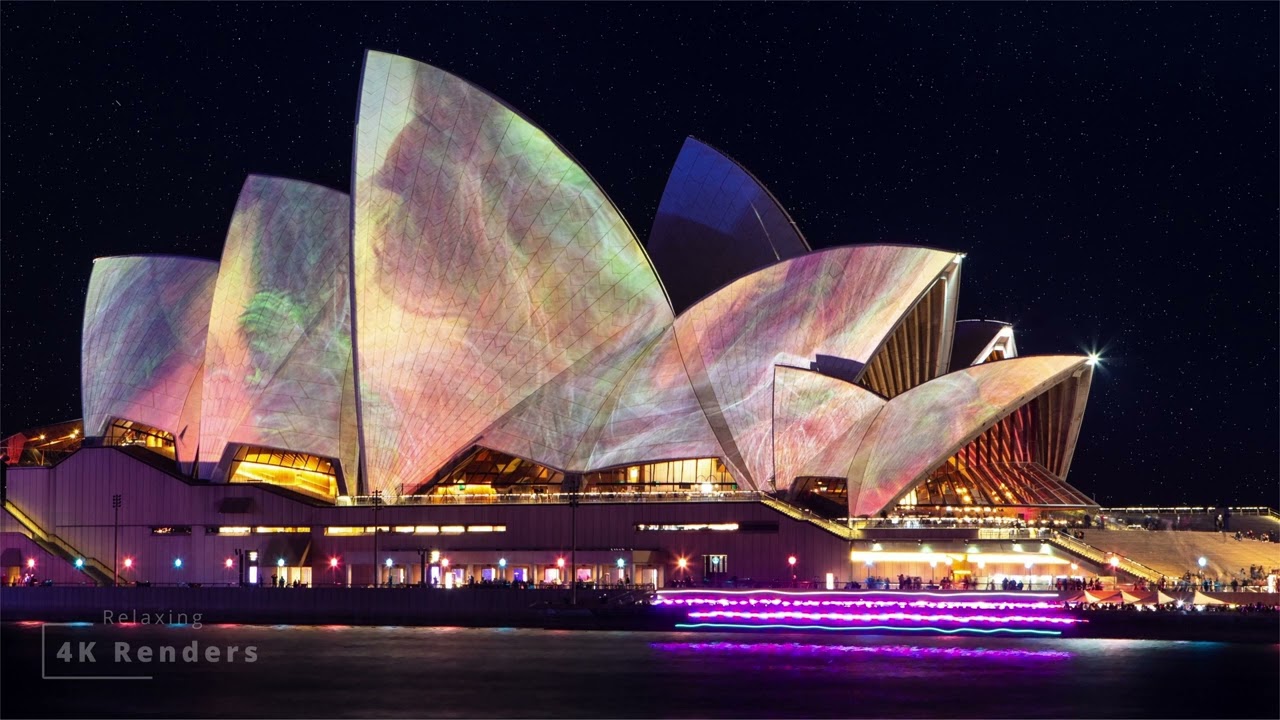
x=572, y=483
x=377, y=503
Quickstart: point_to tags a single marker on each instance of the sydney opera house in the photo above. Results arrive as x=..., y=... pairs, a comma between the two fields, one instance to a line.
x=470, y=367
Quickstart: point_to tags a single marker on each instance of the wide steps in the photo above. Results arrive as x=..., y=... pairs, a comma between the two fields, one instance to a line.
x=1176, y=553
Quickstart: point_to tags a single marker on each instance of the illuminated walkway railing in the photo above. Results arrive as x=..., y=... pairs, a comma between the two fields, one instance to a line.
x=56, y=546
x=938, y=613
x=1103, y=559
x=1192, y=510
x=554, y=498
x=791, y=511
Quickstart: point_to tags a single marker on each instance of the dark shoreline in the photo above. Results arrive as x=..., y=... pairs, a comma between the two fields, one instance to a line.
x=507, y=607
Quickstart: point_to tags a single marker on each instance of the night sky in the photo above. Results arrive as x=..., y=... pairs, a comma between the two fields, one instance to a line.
x=1110, y=169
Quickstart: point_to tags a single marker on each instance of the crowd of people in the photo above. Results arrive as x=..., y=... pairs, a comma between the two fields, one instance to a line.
x=1173, y=607
x=1076, y=584
x=1251, y=535
x=1256, y=579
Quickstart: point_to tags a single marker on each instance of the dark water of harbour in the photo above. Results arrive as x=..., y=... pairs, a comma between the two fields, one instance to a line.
x=452, y=672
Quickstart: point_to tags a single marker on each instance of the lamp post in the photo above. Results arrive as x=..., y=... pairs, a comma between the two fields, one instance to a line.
x=377, y=503
x=791, y=563
x=115, y=549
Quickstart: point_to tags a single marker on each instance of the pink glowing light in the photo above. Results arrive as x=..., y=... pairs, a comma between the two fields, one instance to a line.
x=877, y=617
x=797, y=649
x=902, y=603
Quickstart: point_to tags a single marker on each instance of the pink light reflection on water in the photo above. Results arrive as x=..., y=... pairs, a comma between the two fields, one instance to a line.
x=803, y=649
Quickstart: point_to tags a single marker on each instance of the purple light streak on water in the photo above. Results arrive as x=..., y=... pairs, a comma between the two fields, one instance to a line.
x=800, y=649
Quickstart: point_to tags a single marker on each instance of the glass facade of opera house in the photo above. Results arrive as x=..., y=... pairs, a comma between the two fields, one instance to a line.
x=472, y=363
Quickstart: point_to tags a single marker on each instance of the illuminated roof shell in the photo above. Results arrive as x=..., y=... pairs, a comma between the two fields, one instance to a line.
x=922, y=427
x=487, y=263
x=818, y=423
x=976, y=340
x=278, y=360
x=142, y=349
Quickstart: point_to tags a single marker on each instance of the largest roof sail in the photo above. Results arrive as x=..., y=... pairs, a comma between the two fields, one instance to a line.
x=486, y=262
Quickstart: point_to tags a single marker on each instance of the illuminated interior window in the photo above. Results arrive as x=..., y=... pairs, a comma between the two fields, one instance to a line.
x=696, y=475
x=130, y=433
x=686, y=527
x=308, y=474
x=487, y=472
x=276, y=530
